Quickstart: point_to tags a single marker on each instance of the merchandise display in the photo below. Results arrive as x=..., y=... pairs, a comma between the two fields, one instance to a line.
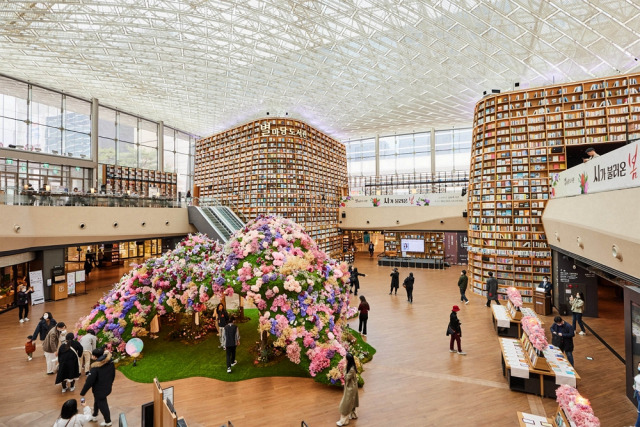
x=520, y=139
x=573, y=409
x=277, y=166
x=530, y=420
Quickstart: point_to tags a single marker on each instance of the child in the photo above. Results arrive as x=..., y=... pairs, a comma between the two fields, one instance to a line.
x=30, y=347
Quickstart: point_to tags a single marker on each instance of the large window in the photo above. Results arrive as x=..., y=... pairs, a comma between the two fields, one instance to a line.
x=179, y=149
x=410, y=153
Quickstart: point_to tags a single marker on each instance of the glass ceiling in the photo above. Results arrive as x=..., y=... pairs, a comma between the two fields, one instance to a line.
x=349, y=67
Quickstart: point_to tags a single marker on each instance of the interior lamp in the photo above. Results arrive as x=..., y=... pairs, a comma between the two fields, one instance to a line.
x=47, y=188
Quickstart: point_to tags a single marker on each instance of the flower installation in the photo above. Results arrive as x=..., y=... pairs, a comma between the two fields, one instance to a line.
x=344, y=200
x=180, y=281
x=584, y=183
x=272, y=262
x=576, y=407
x=531, y=326
x=514, y=297
x=299, y=291
x=375, y=202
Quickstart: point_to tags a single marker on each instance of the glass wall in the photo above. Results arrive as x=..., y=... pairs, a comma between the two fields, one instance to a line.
x=37, y=119
x=16, y=175
x=411, y=153
x=42, y=120
x=179, y=153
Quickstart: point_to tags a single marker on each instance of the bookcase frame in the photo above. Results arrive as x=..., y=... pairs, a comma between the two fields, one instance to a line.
x=519, y=142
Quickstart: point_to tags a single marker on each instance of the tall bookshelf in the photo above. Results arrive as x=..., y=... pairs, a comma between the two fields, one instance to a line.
x=277, y=166
x=520, y=139
x=120, y=179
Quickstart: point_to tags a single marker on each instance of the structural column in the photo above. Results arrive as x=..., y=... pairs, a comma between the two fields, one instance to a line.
x=432, y=139
x=161, y=146
x=95, y=119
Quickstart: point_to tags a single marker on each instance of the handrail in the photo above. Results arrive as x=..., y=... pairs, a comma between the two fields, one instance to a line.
x=214, y=201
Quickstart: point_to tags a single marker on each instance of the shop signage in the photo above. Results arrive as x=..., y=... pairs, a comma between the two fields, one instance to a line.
x=612, y=171
x=71, y=283
x=418, y=200
x=37, y=283
x=267, y=130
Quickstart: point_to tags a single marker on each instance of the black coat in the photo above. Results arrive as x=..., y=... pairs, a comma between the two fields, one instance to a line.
x=354, y=279
x=68, y=368
x=408, y=283
x=492, y=289
x=395, y=279
x=564, y=342
x=101, y=376
x=454, y=324
x=42, y=329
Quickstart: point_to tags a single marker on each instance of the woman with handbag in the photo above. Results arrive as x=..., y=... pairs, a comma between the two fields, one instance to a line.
x=454, y=330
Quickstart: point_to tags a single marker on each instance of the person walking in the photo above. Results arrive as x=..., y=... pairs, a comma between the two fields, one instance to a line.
x=89, y=342
x=50, y=346
x=46, y=323
x=223, y=318
x=87, y=267
x=231, y=340
x=355, y=281
x=100, y=381
x=395, y=281
x=577, y=306
x=454, y=330
x=68, y=366
x=363, y=308
x=492, y=290
x=462, y=284
x=69, y=416
x=350, y=402
x=372, y=247
x=408, y=285
x=23, y=302
x=30, y=348
x=562, y=335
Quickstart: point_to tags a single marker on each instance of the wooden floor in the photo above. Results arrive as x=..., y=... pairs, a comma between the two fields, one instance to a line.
x=413, y=380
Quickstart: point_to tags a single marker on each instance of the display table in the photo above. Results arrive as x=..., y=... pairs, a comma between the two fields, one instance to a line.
x=530, y=420
x=527, y=374
x=541, y=302
x=507, y=321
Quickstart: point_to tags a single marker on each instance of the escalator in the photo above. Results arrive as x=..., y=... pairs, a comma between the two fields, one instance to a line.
x=217, y=222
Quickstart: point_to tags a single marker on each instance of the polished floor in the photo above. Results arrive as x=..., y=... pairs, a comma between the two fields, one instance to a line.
x=413, y=379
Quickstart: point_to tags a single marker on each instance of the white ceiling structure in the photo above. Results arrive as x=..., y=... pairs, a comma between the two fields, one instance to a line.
x=352, y=68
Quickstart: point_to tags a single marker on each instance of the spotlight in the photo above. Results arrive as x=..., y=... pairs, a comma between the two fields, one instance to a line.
x=615, y=251
x=82, y=225
x=144, y=224
x=267, y=113
x=16, y=228
x=517, y=84
x=115, y=224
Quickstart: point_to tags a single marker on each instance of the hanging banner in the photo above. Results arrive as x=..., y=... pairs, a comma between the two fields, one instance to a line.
x=71, y=283
x=37, y=283
x=427, y=199
x=612, y=171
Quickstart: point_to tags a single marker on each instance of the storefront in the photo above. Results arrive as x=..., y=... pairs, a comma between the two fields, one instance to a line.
x=15, y=174
x=109, y=254
x=12, y=269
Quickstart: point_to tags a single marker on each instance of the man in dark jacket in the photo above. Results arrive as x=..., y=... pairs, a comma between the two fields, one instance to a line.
x=231, y=338
x=395, y=281
x=562, y=335
x=492, y=290
x=462, y=284
x=408, y=285
x=100, y=381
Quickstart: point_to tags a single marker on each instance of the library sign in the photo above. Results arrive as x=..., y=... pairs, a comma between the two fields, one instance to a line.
x=418, y=200
x=613, y=171
x=281, y=130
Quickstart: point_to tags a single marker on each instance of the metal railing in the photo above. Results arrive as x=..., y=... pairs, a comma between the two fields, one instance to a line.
x=213, y=201
x=44, y=198
x=438, y=182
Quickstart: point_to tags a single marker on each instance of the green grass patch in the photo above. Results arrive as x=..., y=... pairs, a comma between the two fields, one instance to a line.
x=173, y=360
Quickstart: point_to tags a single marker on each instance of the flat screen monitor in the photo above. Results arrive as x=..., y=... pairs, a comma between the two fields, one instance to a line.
x=412, y=245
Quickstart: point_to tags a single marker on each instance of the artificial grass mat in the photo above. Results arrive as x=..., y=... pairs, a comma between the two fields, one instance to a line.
x=170, y=360
x=173, y=360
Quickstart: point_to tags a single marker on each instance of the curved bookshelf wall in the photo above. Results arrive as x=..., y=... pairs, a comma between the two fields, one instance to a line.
x=520, y=139
x=277, y=166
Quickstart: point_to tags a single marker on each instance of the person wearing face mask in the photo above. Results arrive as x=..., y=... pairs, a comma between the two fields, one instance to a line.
x=636, y=393
x=46, y=323
x=50, y=346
